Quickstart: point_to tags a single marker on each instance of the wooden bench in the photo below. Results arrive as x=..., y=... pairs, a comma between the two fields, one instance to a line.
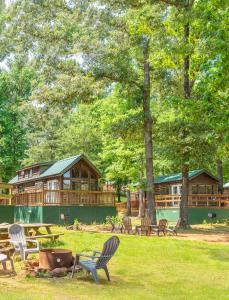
x=52, y=236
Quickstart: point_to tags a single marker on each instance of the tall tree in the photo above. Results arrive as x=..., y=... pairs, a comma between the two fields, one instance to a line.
x=15, y=88
x=73, y=58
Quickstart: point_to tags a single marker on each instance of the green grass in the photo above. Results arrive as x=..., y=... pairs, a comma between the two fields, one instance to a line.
x=143, y=268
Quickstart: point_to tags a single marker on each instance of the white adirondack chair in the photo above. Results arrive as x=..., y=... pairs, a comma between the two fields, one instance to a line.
x=17, y=238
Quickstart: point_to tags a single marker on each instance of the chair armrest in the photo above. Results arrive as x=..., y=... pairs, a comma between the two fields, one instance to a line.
x=92, y=256
x=95, y=252
x=86, y=255
x=154, y=226
x=34, y=241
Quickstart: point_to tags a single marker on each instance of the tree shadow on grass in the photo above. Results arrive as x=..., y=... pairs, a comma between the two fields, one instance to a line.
x=217, y=254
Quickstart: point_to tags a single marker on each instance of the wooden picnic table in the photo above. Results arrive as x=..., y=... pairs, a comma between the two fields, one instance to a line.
x=32, y=230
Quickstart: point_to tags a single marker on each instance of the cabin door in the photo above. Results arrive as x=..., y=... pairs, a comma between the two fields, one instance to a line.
x=52, y=197
x=176, y=192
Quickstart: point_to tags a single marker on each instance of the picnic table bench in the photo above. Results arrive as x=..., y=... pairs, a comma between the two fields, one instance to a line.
x=32, y=231
x=52, y=236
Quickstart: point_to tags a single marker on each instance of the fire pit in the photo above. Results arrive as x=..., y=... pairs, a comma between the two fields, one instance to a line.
x=50, y=259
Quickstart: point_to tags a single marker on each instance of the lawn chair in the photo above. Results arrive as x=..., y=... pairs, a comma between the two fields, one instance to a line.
x=94, y=262
x=3, y=259
x=17, y=238
x=144, y=227
x=127, y=225
x=161, y=227
x=114, y=227
x=174, y=229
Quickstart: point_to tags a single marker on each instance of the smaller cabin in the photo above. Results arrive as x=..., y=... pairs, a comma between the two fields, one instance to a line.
x=200, y=182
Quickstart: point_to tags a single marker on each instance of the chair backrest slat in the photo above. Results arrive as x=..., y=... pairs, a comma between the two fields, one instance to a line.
x=111, y=222
x=16, y=233
x=145, y=222
x=109, y=249
x=127, y=223
x=162, y=224
x=177, y=224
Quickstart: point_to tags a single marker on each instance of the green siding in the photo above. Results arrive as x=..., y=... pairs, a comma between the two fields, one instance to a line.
x=90, y=214
x=6, y=214
x=171, y=214
x=84, y=214
x=28, y=214
x=198, y=215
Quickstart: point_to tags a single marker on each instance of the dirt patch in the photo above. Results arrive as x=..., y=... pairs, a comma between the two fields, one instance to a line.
x=205, y=237
x=212, y=234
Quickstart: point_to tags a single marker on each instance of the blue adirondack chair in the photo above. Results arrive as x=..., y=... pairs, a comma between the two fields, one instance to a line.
x=98, y=260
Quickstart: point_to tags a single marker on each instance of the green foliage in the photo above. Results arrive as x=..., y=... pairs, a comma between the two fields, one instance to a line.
x=88, y=89
x=15, y=88
x=117, y=220
x=76, y=224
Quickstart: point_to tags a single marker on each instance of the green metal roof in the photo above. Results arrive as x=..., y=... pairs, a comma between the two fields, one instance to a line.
x=178, y=177
x=14, y=180
x=226, y=185
x=58, y=167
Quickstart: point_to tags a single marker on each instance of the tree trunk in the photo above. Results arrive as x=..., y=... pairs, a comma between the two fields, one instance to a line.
x=141, y=210
x=220, y=175
x=148, y=122
x=184, y=197
x=128, y=203
x=187, y=90
x=185, y=167
x=119, y=192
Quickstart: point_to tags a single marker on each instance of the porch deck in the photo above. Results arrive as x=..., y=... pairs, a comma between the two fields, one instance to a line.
x=61, y=197
x=197, y=200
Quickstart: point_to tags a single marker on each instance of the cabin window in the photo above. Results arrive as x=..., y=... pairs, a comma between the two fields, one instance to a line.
x=67, y=174
x=84, y=186
x=76, y=185
x=21, y=189
x=194, y=189
x=202, y=189
x=209, y=189
x=94, y=186
x=75, y=173
x=53, y=185
x=165, y=190
x=84, y=174
x=66, y=184
x=39, y=185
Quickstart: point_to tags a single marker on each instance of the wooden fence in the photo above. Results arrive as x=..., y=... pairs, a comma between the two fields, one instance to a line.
x=64, y=197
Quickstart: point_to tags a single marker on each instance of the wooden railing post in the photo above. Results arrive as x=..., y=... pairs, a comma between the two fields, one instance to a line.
x=43, y=196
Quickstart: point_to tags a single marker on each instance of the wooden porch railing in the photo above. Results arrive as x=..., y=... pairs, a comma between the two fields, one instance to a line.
x=199, y=200
x=64, y=197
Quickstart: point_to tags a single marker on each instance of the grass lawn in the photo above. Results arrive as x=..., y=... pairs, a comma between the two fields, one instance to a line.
x=143, y=268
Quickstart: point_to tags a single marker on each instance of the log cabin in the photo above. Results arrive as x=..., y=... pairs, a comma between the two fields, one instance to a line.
x=226, y=188
x=73, y=173
x=200, y=182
